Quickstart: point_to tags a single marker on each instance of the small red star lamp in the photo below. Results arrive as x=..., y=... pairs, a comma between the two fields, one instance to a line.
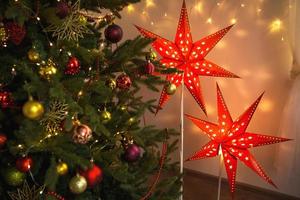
x=189, y=57
x=231, y=139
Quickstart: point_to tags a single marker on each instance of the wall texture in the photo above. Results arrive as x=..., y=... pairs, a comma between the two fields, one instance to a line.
x=254, y=49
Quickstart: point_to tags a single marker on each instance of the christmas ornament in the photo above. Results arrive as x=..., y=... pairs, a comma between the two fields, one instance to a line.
x=187, y=56
x=132, y=153
x=105, y=116
x=149, y=68
x=24, y=164
x=3, y=140
x=16, y=32
x=78, y=184
x=55, y=195
x=55, y=115
x=27, y=193
x=111, y=83
x=62, y=9
x=33, y=55
x=72, y=27
x=48, y=70
x=92, y=175
x=151, y=56
x=231, y=139
x=123, y=82
x=170, y=88
x=73, y=66
x=113, y=33
x=13, y=177
x=3, y=36
x=62, y=168
x=82, y=134
x=6, y=99
x=33, y=109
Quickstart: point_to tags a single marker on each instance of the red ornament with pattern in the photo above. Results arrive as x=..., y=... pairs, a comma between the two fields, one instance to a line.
x=6, y=99
x=24, y=164
x=73, y=66
x=16, y=32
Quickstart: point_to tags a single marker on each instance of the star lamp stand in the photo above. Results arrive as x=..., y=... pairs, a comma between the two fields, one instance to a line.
x=220, y=173
x=182, y=135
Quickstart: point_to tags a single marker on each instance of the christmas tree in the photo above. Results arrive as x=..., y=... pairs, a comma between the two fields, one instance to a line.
x=70, y=109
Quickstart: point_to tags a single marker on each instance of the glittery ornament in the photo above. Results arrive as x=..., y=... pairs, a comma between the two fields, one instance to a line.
x=82, y=134
x=16, y=32
x=63, y=9
x=48, y=70
x=123, y=82
x=62, y=168
x=33, y=55
x=111, y=83
x=13, y=177
x=27, y=193
x=33, y=109
x=78, y=184
x=73, y=66
x=6, y=99
x=3, y=36
x=24, y=164
x=113, y=33
x=105, y=116
x=3, y=139
x=93, y=175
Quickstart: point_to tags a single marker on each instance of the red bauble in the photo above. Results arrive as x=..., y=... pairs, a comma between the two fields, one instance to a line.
x=62, y=9
x=149, y=68
x=24, y=164
x=3, y=140
x=73, y=66
x=132, y=153
x=5, y=99
x=82, y=134
x=123, y=82
x=16, y=32
x=113, y=33
x=93, y=175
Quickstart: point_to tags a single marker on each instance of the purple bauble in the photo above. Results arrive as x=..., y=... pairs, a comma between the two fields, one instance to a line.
x=62, y=9
x=132, y=153
x=113, y=33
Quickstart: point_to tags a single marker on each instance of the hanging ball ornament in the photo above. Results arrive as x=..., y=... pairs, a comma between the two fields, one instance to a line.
x=170, y=88
x=73, y=66
x=132, y=153
x=6, y=99
x=151, y=56
x=33, y=55
x=3, y=140
x=3, y=36
x=93, y=175
x=13, y=177
x=63, y=9
x=78, y=184
x=113, y=33
x=82, y=134
x=111, y=83
x=33, y=109
x=48, y=70
x=16, y=32
x=24, y=164
x=105, y=116
x=123, y=82
x=62, y=168
x=149, y=68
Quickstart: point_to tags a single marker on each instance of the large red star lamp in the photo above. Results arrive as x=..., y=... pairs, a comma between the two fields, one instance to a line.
x=188, y=57
x=230, y=138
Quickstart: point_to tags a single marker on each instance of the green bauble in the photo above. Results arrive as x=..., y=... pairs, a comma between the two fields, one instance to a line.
x=13, y=177
x=78, y=184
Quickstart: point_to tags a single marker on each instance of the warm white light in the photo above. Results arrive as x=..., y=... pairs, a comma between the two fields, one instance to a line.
x=150, y=3
x=130, y=8
x=275, y=25
x=152, y=23
x=209, y=20
x=199, y=7
x=166, y=14
x=233, y=20
x=242, y=5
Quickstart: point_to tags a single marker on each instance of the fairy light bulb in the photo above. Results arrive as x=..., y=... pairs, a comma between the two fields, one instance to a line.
x=130, y=8
x=209, y=20
x=275, y=26
x=233, y=21
x=199, y=7
x=150, y=3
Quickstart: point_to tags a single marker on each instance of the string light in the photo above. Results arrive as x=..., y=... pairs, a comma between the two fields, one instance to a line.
x=166, y=15
x=243, y=5
x=209, y=20
x=233, y=21
x=150, y=3
x=199, y=7
x=275, y=26
x=130, y=8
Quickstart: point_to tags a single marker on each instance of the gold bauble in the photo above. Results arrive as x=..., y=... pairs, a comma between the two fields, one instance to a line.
x=111, y=83
x=151, y=56
x=78, y=184
x=48, y=70
x=171, y=89
x=105, y=116
x=62, y=168
x=82, y=20
x=33, y=109
x=33, y=55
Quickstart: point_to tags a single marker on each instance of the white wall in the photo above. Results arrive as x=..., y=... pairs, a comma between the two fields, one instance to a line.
x=250, y=50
